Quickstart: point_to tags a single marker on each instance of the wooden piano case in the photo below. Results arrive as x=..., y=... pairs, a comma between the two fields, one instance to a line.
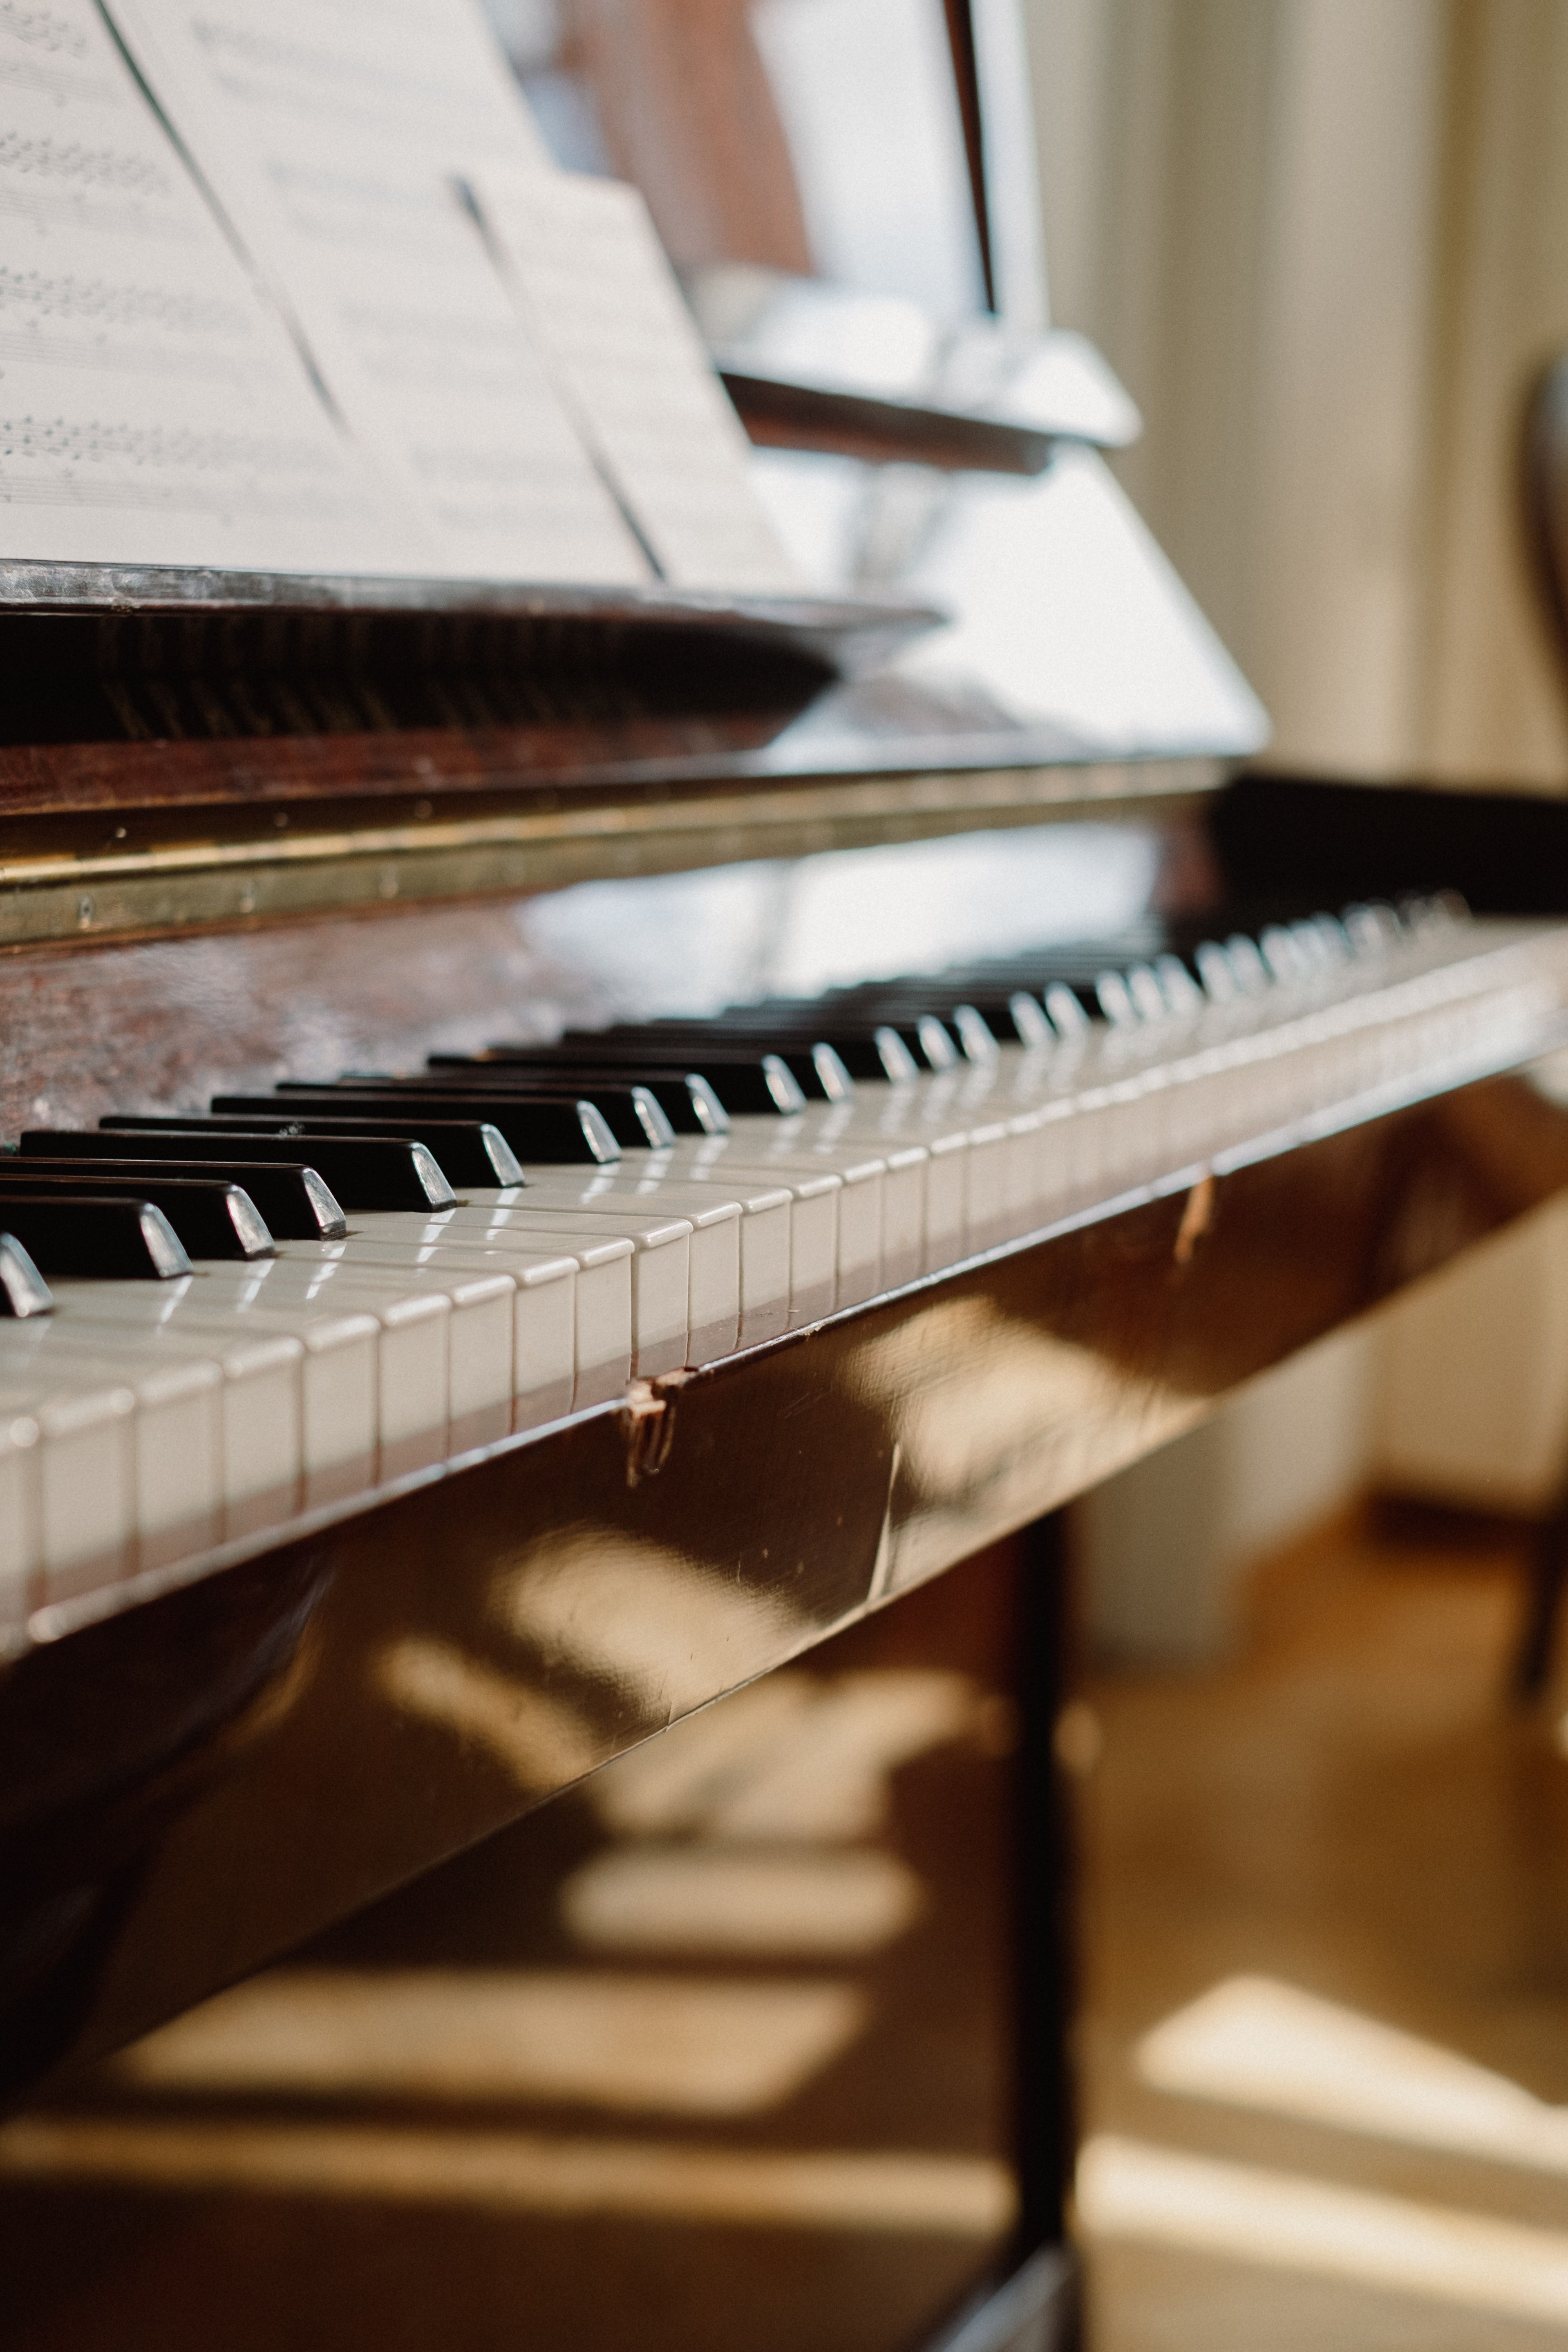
x=326, y=861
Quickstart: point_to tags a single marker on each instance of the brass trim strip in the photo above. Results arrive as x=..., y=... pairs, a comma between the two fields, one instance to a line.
x=52, y=894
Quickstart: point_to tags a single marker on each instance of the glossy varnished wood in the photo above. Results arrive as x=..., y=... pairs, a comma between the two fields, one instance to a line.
x=116, y=653
x=195, y=1785
x=92, y=1027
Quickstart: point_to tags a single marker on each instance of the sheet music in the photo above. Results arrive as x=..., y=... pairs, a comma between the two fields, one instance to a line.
x=332, y=133
x=153, y=408
x=593, y=279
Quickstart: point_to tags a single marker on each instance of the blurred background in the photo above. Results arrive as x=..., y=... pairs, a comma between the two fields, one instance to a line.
x=1325, y=248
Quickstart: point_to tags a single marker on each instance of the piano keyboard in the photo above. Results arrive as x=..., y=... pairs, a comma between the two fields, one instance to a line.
x=210, y=1322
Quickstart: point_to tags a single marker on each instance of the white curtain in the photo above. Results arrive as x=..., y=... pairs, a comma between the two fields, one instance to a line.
x=1326, y=242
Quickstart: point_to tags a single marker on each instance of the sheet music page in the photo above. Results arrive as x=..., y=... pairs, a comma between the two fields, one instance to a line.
x=332, y=133
x=593, y=279
x=153, y=408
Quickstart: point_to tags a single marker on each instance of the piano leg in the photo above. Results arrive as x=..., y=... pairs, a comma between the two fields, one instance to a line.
x=1036, y=2308
x=1543, y=1602
x=1045, y=1915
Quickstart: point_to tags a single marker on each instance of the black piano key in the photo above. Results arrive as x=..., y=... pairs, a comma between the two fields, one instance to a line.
x=551, y=1130
x=882, y=1054
x=878, y=1053
x=1141, y=983
x=1029, y=1021
x=374, y=1172
x=633, y=1116
x=630, y=1112
x=23, y=1290
x=1252, y=975
x=817, y=1067
x=734, y=1080
x=821, y=1072
x=211, y=1218
x=90, y=1238
x=751, y=1088
x=924, y=1038
x=928, y=1041
x=1069, y=1015
x=468, y=1151
x=745, y=1084
x=294, y=1203
x=688, y=1101
x=934, y=1028
x=1012, y=1015
x=1182, y=993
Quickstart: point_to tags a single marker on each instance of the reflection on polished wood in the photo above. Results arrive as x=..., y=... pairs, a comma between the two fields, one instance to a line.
x=173, y=1021
x=365, y=1701
x=492, y=2101
x=725, y=795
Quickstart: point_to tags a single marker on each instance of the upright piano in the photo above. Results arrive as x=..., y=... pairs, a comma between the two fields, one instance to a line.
x=570, y=1154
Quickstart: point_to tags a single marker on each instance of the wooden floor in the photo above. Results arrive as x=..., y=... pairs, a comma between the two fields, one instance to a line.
x=1350, y=1812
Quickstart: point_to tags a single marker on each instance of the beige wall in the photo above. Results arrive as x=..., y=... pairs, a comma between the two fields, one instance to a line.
x=1326, y=244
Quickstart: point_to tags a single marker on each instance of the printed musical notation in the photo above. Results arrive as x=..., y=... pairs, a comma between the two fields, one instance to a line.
x=293, y=286
x=592, y=279
x=152, y=409
x=330, y=131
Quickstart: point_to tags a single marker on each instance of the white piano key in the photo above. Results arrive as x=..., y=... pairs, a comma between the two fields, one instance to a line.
x=659, y=1269
x=922, y=1201
x=177, y=1429
x=480, y=1349
x=420, y=1319
x=511, y=1346
x=763, y=1231
x=948, y=1117
x=943, y=1233
x=675, y=1272
x=261, y=1371
x=716, y=1299
x=317, y=1280
x=857, y=1269
x=904, y=1213
x=544, y=1339
x=602, y=1350
x=1000, y=1178
x=543, y=1306
x=993, y=1177
x=812, y=1192
x=21, y=1512
x=413, y=1357
x=85, y=1483
x=219, y=1311
x=984, y=1184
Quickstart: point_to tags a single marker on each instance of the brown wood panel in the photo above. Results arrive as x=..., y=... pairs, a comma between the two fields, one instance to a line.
x=88, y=1030
x=93, y=1027
x=48, y=778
